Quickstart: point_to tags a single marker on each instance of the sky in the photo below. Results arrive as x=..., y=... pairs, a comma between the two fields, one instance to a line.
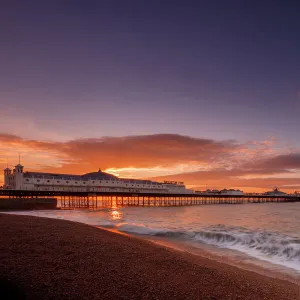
x=206, y=92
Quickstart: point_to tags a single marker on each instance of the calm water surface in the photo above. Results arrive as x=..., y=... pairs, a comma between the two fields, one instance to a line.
x=260, y=232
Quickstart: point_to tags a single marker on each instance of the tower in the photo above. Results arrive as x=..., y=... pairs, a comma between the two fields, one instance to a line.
x=18, y=172
x=7, y=173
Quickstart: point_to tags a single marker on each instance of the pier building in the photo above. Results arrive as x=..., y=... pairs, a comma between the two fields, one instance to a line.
x=231, y=192
x=99, y=181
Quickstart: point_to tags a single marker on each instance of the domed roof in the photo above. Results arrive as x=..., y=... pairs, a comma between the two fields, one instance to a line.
x=99, y=175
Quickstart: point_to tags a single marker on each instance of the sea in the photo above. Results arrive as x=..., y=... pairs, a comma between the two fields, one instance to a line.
x=260, y=237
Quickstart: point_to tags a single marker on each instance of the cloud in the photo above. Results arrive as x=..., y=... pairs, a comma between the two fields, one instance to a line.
x=14, y=140
x=219, y=179
x=281, y=170
x=9, y=138
x=150, y=150
x=33, y=153
x=20, y=124
x=196, y=161
x=280, y=163
x=159, y=150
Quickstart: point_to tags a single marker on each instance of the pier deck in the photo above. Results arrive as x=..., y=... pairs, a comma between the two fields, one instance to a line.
x=74, y=200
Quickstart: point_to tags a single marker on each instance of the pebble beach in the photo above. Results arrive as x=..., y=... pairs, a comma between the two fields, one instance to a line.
x=43, y=258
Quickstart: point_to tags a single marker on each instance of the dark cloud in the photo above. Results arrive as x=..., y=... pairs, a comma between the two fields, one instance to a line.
x=9, y=138
x=281, y=163
x=254, y=174
x=223, y=179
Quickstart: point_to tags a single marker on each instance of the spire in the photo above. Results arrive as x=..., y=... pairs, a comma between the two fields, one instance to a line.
x=19, y=167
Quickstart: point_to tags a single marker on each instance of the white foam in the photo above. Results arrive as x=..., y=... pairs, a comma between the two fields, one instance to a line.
x=139, y=229
x=271, y=247
x=277, y=249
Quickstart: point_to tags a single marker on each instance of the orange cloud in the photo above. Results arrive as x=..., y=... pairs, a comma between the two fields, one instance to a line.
x=264, y=174
x=198, y=162
x=160, y=150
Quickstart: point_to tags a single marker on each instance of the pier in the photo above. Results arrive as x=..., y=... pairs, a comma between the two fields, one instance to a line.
x=96, y=201
x=79, y=200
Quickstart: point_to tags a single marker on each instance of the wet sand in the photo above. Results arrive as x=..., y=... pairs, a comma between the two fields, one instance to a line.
x=44, y=258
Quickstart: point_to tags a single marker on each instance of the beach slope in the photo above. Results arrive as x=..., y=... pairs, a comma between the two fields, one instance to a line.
x=44, y=258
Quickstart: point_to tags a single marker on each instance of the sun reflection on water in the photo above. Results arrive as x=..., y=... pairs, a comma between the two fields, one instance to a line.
x=115, y=214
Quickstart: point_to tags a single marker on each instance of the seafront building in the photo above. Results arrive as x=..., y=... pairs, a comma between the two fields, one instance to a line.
x=231, y=192
x=17, y=179
x=275, y=192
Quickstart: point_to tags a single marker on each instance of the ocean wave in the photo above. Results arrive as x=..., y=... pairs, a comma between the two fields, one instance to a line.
x=140, y=229
x=268, y=246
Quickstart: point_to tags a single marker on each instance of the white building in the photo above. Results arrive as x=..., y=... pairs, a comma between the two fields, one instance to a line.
x=208, y=192
x=275, y=192
x=231, y=192
x=17, y=179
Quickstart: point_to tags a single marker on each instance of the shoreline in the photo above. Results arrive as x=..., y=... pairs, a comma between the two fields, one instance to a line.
x=261, y=267
x=251, y=264
x=58, y=259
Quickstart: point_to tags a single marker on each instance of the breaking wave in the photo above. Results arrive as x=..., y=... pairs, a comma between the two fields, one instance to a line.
x=271, y=247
